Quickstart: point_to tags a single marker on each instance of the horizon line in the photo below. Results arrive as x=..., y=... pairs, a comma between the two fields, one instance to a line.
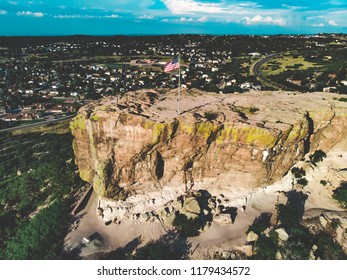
x=177, y=34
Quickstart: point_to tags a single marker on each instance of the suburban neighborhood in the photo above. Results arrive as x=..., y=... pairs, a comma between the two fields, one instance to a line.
x=42, y=81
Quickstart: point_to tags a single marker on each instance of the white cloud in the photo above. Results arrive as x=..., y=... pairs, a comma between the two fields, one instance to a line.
x=248, y=4
x=183, y=19
x=336, y=2
x=258, y=19
x=3, y=12
x=202, y=19
x=246, y=12
x=84, y=16
x=317, y=25
x=30, y=14
x=191, y=6
x=310, y=18
x=165, y=20
x=221, y=8
x=73, y=16
x=190, y=19
x=293, y=7
x=112, y=16
x=146, y=17
x=13, y=3
x=332, y=22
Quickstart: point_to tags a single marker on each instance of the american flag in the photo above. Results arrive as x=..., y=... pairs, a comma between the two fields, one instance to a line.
x=172, y=65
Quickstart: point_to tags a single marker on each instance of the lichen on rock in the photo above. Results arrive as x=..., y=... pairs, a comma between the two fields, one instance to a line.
x=136, y=146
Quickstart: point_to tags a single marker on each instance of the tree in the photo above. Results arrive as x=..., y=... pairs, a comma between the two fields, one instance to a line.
x=43, y=237
x=266, y=249
x=340, y=194
x=188, y=226
x=317, y=156
x=328, y=249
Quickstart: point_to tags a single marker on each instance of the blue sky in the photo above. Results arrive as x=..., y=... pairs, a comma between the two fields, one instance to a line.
x=111, y=17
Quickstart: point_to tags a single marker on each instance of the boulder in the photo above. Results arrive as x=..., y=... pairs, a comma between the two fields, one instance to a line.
x=323, y=221
x=191, y=208
x=282, y=234
x=228, y=255
x=252, y=237
x=312, y=256
x=246, y=249
x=108, y=214
x=222, y=218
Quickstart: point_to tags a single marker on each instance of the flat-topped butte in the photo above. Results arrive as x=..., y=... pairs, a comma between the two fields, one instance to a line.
x=139, y=143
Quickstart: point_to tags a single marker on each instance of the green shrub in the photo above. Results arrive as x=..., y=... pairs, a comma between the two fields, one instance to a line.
x=288, y=217
x=265, y=248
x=317, y=156
x=328, y=249
x=335, y=223
x=261, y=223
x=324, y=182
x=189, y=227
x=340, y=194
x=302, y=181
x=210, y=115
x=274, y=236
x=298, y=172
x=253, y=110
x=296, y=248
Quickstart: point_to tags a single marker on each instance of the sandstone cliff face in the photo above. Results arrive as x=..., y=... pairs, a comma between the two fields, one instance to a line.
x=140, y=145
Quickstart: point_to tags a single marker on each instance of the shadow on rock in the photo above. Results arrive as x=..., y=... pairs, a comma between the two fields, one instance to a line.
x=171, y=246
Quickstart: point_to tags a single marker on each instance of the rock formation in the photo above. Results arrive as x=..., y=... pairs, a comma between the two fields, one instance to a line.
x=253, y=137
x=139, y=150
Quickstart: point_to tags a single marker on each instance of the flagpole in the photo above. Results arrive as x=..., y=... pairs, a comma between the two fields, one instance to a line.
x=179, y=84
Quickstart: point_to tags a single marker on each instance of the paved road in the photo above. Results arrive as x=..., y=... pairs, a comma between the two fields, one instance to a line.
x=256, y=71
x=36, y=124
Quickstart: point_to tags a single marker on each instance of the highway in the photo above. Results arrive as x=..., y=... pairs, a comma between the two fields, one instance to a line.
x=36, y=124
x=255, y=70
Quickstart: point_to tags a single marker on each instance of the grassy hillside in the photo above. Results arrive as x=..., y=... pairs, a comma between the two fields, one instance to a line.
x=37, y=185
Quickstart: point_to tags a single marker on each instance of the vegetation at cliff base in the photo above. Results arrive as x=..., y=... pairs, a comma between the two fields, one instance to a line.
x=188, y=226
x=261, y=223
x=37, y=184
x=42, y=237
x=297, y=241
x=340, y=194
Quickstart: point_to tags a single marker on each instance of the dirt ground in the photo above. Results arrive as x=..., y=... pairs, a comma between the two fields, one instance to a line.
x=223, y=237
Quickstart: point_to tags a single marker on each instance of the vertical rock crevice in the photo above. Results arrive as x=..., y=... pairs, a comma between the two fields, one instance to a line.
x=160, y=166
x=207, y=143
x=307, y=140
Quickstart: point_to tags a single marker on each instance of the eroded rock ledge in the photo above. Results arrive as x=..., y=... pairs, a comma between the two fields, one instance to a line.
x=138, y=145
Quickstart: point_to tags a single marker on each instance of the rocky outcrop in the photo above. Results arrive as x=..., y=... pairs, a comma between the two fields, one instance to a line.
x=139, y=145
x=282, y=234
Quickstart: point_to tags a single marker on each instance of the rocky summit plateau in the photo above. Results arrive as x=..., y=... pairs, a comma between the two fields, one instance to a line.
x=139, y=143
x=140, y=154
